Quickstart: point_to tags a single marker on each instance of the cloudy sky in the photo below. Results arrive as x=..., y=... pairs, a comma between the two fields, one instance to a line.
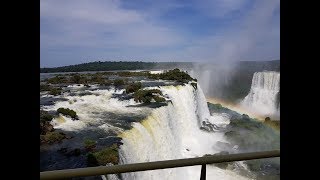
x=77, y=31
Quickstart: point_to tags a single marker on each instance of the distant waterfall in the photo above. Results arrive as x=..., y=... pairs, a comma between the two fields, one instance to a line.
x=173, y=132
x=264, y=95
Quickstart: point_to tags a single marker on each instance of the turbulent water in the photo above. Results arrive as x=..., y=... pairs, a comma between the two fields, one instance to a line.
x=264, y=94
x=173, y=132
x=183, y=128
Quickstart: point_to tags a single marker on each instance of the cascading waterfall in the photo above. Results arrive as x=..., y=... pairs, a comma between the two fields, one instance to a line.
x=173, y=132
x=264, y=95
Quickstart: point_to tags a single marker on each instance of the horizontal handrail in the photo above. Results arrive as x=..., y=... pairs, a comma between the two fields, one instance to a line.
x=101, y=170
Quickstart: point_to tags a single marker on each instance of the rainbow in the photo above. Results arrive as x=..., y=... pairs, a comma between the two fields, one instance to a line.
x=238, y=108
x=235, y=107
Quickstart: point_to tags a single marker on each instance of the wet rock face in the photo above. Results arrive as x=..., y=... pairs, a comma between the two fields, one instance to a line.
x=52, y=137
x=207, y=126
x=69, y=152
x=45, y=127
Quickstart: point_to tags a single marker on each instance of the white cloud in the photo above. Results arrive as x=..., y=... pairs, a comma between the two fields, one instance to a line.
x=220, y=8
x=254, y=37
x=107, y=12
x=108, y=30
x=100, y=23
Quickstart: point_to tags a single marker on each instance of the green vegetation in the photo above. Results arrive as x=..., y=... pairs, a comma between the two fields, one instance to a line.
x=147, y=95
x=45, y=116
x=108, y=82
x=104, y=156
x=75, y=78
x=113, y=65
x=52, y=137
x=44, y=87
x=131, y=74
x=133, y=87
x=55, y=91
x=98, y=78
x=52, y=90
x=78, y=79
x=118, y=82
x=174, y=74
x=89, y=144
x=159, y=99
x=45, y=125
x=68, y=112
x=102, y=79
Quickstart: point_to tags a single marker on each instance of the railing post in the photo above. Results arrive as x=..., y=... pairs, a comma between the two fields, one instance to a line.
x=203, y=172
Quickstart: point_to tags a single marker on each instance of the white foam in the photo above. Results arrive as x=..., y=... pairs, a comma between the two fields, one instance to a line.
x=90, y=107
x=262, y=97
x=219, y=119
x=173, y=132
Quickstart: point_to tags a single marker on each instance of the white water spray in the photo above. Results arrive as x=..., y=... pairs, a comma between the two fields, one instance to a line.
x=173, y=132
x=263, y=95
x=91, y=110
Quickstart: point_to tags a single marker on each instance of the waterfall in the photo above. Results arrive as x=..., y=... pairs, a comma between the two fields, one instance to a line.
x=173, y=132
x=264, y=95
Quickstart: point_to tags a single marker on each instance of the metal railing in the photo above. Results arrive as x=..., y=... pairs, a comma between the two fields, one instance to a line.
x=103, y=170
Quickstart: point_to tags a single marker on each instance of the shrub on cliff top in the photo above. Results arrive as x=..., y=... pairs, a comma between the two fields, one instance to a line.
x=174, y=74
x=159, y=99
x=147, y=95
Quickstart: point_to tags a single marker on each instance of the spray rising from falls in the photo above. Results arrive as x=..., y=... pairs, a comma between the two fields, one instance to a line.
x=264, y=95
x=174, y=132
x=212, y=78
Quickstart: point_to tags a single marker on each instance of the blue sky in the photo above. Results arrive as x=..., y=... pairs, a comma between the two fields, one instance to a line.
x=78, y=31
